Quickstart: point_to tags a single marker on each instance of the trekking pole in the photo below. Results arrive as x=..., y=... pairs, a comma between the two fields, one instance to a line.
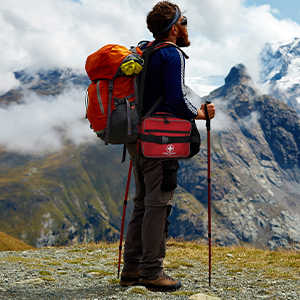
x=123, y=217
x=208, y=184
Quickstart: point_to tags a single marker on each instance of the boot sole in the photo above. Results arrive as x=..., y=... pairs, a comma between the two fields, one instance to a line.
x=125, y=284
x=161, y=288
x=127, y=281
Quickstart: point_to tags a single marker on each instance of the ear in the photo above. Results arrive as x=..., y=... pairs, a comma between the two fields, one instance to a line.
x=174, y=30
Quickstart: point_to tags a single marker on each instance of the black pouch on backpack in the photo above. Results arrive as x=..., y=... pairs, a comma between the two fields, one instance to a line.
x=123, y=124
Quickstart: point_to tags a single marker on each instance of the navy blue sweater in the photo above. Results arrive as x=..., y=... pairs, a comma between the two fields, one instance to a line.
x=165, y=73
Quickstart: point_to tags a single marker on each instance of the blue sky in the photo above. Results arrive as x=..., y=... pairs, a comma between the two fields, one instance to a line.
x=287, y=9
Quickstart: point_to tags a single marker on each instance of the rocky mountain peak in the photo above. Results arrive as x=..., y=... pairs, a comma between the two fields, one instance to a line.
x=237, y=75
x=238, y=92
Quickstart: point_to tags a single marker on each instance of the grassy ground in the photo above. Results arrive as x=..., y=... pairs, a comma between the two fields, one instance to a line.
x=236, y=271
x=8, y=243
x=271, y=264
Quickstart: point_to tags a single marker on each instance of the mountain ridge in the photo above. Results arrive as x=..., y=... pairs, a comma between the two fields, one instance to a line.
x=76, y=195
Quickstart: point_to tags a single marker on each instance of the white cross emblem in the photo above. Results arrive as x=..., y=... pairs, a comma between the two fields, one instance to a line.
x=170, y=148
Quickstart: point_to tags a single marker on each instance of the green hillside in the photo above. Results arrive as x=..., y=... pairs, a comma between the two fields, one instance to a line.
x=72, y=196
x=8, y=243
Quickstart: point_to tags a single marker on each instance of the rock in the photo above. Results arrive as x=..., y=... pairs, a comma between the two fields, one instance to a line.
x=31, y=281
x=203, y=297
x=136, y=290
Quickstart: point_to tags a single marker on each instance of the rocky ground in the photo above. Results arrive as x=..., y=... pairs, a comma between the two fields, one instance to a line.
x=90, y=272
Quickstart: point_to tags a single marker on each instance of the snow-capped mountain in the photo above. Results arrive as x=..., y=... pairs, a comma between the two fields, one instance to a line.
x=280, y=71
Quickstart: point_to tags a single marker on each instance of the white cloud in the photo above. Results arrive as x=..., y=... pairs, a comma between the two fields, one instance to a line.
x=231, y=34
x=8, y=82
x=40, y=123
x=250, y=121
x=62, y=33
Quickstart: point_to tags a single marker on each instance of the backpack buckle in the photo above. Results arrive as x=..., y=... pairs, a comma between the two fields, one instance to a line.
x=163, y=140
x=111, y=86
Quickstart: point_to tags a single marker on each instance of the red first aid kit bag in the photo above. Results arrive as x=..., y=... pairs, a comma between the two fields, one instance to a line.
x=162, y=136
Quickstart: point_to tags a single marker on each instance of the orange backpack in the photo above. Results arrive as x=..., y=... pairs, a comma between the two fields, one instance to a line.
x=111, y=96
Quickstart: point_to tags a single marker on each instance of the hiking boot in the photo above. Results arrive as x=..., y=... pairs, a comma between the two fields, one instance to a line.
x=163, y=283
x=130, y=277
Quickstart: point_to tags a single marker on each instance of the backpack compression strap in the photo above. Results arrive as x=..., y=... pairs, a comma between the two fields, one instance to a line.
x=110, y=92
x=99, y=97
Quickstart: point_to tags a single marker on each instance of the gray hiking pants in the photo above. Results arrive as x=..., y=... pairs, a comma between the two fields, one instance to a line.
x=145, y=243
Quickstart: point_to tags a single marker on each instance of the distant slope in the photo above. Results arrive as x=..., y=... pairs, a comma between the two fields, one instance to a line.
x=69, y=197
x=8, y=243
x=76, y=195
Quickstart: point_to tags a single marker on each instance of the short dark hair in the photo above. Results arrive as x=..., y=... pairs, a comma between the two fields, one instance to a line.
x=161, y=17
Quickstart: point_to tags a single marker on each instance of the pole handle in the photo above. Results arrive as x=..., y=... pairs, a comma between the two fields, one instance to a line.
x=206, y=115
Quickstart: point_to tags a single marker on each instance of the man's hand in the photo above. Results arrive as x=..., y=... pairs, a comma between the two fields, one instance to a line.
x=210, y=109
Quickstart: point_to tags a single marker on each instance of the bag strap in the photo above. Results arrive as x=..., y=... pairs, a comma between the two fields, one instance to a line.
x=99, y=97
x=136, y=91
x=169, y=44
x=142, y=79
x=124, y=153
x=86, y=100
x=155, y=105
x=109, y=109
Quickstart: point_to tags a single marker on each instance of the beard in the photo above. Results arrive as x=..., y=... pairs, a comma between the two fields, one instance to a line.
x=183, y=38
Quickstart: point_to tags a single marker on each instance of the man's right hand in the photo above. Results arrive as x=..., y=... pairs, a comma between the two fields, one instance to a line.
x=210, y=109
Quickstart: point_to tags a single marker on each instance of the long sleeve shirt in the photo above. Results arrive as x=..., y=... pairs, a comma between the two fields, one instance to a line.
x=165, y=73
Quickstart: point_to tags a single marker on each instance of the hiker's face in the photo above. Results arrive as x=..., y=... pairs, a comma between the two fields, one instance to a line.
x=183, y=36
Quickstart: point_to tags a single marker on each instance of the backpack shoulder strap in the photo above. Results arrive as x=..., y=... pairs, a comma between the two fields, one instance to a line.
x=142, y=78
x=168, y=44
x=150, y=49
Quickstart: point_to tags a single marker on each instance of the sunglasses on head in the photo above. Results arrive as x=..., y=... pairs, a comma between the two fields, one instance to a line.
x=183, y=21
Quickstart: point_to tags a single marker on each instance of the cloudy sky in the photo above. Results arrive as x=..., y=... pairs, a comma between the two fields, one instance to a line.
x=48, y=34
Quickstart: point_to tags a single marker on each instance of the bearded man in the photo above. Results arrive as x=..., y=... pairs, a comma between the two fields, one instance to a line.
x=156, y=178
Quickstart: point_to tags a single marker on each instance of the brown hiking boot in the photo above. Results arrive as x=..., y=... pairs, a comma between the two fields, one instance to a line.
x=130, y=277
x=163, y=283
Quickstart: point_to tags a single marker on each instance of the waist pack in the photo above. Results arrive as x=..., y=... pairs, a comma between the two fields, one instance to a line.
x=111, y=108
x=163, y=136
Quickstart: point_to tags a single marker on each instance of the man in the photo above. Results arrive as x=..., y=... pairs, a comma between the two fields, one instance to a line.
x=156, y=179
